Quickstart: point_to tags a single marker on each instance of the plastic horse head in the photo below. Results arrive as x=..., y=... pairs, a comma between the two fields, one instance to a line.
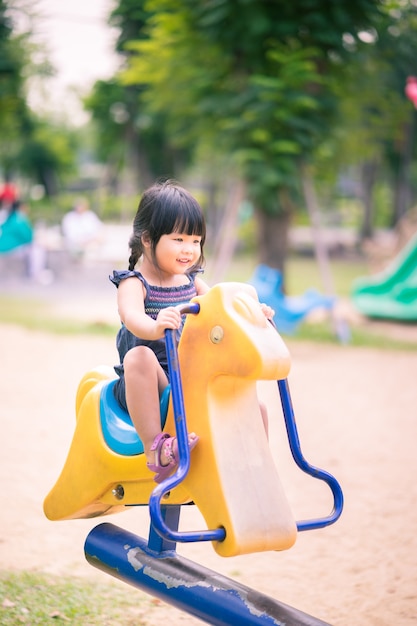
x=224, y=350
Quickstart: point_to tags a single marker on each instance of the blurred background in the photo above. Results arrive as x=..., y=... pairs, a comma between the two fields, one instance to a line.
x=294, y=125
x=290, y=122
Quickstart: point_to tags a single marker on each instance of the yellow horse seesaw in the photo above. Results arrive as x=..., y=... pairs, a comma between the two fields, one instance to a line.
x=226, y=346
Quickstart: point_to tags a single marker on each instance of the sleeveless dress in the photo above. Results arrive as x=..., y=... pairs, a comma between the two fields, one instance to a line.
x=156, y=299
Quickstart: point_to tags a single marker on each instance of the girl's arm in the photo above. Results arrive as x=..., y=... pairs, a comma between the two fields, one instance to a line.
x=201, y=286
x=130, y=301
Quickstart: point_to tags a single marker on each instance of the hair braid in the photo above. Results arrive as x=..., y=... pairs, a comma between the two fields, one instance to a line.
x=136, y=250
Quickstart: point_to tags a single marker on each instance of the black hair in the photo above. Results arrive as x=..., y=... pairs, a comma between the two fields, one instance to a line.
x=13, y=208
x=166, y=208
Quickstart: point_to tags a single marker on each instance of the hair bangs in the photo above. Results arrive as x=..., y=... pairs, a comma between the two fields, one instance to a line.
x=185, y=216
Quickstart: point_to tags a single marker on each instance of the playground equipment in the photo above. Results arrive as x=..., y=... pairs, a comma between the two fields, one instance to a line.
x=227, y=345
x=391, y=294
x=289, y=310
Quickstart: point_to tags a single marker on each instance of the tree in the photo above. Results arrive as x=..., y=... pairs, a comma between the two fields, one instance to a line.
x=47, y=155
x=252, y=79
x=376, y=131
x=129, y=139
x=12, y=98
x=29, y=145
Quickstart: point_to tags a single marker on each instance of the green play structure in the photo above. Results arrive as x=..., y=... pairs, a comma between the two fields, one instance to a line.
x=391, y=294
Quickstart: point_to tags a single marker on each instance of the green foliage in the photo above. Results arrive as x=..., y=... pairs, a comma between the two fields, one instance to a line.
x=252, y=86
x=375, y=121
x=129, y=17
x=37, y=148
x=47, y=154
x=253, y=79
x=125, y=132
x=106, y=103
x=12, y=99
x=129, y=138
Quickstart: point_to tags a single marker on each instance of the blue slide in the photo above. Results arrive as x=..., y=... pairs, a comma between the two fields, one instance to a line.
x=289, y=310
x=391, y=294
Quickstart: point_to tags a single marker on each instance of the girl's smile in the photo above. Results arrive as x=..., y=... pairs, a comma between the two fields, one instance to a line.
x=177, y=252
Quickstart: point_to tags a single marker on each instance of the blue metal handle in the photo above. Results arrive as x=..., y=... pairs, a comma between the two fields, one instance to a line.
x=155, y=510
x=298, y=457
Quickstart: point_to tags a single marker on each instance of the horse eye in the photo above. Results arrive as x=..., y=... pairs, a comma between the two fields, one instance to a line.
x=249, y=308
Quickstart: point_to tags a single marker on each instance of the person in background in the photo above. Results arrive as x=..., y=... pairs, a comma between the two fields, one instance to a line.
x=17, y=241
x=15, y=228
x=8, y=194
x=81, y=229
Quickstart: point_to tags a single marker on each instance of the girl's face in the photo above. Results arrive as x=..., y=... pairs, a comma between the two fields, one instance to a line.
x=176, y=253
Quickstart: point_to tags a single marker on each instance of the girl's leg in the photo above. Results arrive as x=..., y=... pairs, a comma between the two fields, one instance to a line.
x=145, y=381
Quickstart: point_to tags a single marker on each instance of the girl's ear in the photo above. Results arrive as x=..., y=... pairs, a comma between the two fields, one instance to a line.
x=146, y=240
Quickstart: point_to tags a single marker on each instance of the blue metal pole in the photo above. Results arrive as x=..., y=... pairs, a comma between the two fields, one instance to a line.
x=303, y=464
x=207, y=595
x=155, y=500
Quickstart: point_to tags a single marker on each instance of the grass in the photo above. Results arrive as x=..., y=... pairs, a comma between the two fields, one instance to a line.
x=302, y=274
x=324, y=332
x=30, y=599
x=35, y=315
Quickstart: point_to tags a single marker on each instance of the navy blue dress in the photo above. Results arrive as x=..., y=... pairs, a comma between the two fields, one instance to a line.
x=156, y=299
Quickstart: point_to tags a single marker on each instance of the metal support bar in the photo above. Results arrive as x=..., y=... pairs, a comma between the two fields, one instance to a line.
x=298, y=457
x=171, y=517
x=155, y=506
x=207, y=595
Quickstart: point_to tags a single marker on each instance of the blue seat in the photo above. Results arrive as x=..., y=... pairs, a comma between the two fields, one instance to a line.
x=118, y=431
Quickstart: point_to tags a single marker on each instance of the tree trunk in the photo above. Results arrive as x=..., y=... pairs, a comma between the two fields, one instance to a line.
x=273, y=233
x=368, y=176
x=402, y=192
x=47, y=177
x=316, y=227
x=136, y=161
x=225, y=243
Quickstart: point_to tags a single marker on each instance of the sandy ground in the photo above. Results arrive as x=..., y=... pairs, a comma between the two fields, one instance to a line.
x=357, y=417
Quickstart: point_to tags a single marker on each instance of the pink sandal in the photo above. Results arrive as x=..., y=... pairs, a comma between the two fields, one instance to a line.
x=164, y=444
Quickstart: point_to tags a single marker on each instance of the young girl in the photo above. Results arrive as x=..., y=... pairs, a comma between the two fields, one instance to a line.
x=168, y=236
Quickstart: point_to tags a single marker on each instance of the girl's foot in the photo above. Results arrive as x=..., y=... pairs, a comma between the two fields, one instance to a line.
x=166, y=454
